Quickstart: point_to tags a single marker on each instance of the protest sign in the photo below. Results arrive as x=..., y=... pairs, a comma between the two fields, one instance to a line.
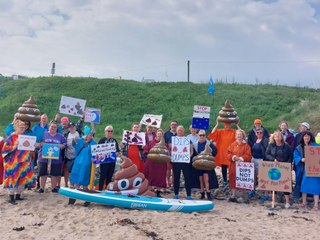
x=275, y=176
x=134, y=138
x=151, y=120
x=92, y=115
x=245, y=175
x=180, y=150
x=72, y=106
x=312, y=161
x=201, y=117
x=51, y=151
x=103, y=153
x=26, y=142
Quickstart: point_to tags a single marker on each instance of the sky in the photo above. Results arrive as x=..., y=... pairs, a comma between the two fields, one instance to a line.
x=243, y=41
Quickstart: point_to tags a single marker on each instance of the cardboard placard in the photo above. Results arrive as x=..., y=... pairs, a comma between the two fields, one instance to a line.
x=72, y=106
x=245, y=175
x=180, y=150
x=92, y=115
x=26, y=142
x=51, y=151
x=275, y=176
x=312, y=161
x=103, y=153
x=134, y=138
x=151, y=120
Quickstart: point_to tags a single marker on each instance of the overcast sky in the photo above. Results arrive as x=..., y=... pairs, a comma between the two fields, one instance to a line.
x=246, y=41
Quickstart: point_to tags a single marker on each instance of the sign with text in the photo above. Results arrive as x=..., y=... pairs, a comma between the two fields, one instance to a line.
x=151, y=120
x=51, y=151
x=312, y=161
x=26, y=142
x=245, y=175
x=103, y=153
x=134, y=138
x=201, y=117
x=275, y=176
x=92, y=115
x=180, y=150
x=72, y=106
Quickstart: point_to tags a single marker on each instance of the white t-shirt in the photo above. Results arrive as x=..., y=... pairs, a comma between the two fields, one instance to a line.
x=70, y=152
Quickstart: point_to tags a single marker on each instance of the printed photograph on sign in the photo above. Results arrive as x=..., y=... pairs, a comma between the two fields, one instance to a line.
x=72, y=106
x=180, y=150
x=151, y=120
x=312, y=161
x=103, y=153
x=50, y=151
x=134, y=138
x=92, y=115
x=201, y=111
x=245, y=175
x=275, y=176
x=26, y=142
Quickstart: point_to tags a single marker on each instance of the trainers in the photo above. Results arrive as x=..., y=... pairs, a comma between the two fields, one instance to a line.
x=251, y=193
x=189, y=198
x=55, y=190
x=233, y=200
x=40, y=190
x=264, y=198
x=287, y=205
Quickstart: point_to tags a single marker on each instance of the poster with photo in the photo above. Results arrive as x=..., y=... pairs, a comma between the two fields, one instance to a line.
x=72, y=106
x=103, y=153
x=92, y=115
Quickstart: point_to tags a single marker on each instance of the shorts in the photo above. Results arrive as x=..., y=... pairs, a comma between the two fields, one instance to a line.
x=202, y=172
x=69, y=164
x=55, y=169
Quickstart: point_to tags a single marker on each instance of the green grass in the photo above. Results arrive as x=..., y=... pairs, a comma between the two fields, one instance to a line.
x=124, y=101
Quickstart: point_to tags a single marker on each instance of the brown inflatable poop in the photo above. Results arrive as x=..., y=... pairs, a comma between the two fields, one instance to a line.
x=205, y=160
x=29, y=111
x=129, y=180
x=227, y=114
x=159, y=153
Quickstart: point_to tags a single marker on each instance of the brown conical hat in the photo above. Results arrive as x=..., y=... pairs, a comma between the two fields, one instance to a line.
x=228, y=114
x=29, y=111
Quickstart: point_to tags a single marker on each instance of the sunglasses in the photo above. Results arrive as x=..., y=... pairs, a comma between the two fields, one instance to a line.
x=109, y=131
x=202, y=135
x=259, y=132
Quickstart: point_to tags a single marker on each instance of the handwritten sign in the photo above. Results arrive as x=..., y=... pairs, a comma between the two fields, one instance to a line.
x=180, y=150
x=134, y=138
x=92, y=115
x=201, y=117
x=103, y=153
x=72, y=106
x=245, y=175
x=151, y=120
x=312, y=154
x=26, y=142
x=275, y=176
x=51, y=151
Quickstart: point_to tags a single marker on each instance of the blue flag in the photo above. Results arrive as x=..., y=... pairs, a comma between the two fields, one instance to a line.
x=211, y=87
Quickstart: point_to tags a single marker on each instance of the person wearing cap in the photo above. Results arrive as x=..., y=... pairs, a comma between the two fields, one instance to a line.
x=252, y=136
x=303, y=127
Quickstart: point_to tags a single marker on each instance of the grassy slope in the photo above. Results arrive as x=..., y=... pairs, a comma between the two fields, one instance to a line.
x=123, y=102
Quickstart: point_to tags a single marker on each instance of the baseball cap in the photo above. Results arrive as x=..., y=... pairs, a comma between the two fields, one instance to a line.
x=257, y=121
x=307, y=125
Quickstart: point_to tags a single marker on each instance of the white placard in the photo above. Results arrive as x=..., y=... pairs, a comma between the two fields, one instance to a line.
x=105, y=152
x=72, y=106
x=92, y=115
x=180, y=150
x=201, y=111
x=26, y=142
x=245, y=175
x=134, y=138
x=151, y=120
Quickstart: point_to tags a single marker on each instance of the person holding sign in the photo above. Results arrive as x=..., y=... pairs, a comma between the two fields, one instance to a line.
x=181, y=152
x=279, y=151
x=47, y=165
x=107, y=167
x=17, y=165
x=167, y=138
x=239, y=150
x=309, y=185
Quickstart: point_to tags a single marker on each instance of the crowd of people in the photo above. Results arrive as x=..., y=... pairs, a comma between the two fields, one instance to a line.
x=24, y=169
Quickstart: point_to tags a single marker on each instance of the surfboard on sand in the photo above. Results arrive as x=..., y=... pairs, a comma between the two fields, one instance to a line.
x=137, y=202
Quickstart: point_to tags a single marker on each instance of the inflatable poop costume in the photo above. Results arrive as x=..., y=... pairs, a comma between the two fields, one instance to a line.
x=205, y=160
x=129, y=180
x=159, y=153
x=29, y=111
x=227, y=114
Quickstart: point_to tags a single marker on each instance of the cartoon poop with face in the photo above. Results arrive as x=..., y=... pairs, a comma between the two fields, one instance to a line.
x=129, y=180
x=227, y=114
x=205, y=160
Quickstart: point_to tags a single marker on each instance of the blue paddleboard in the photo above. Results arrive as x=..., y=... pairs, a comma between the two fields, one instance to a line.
x=137, y=202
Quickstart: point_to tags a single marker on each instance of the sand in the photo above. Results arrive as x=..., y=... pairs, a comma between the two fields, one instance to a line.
x=48, y=216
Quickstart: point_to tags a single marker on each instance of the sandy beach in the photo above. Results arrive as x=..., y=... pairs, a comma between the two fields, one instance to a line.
x=48, y=216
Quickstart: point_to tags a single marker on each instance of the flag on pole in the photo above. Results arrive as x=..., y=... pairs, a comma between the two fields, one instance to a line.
x=211, y=87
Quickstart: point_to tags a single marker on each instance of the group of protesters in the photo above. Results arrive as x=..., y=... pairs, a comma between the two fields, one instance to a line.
x=227, y=145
